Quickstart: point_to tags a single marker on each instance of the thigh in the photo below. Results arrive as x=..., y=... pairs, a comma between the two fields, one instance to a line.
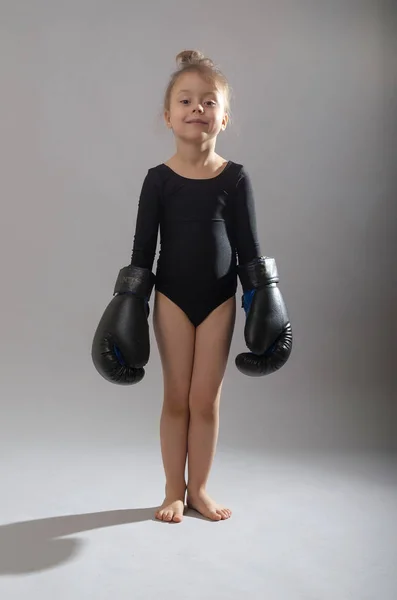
x=212, y=347
x=175, y=337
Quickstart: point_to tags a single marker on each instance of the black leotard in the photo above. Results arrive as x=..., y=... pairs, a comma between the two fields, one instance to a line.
x=205, y=225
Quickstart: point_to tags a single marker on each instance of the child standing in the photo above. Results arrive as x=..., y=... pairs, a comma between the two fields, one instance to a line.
x=203, y=206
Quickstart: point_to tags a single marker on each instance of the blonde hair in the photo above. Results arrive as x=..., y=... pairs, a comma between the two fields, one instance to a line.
x=189, y=61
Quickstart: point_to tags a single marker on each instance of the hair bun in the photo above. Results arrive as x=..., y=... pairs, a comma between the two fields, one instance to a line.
x=192, y=57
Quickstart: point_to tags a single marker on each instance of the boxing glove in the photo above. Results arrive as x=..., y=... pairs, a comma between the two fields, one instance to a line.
x=121, y=347
x=267, y=331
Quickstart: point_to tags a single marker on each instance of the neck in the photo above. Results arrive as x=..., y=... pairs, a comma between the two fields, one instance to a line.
x=195, y=156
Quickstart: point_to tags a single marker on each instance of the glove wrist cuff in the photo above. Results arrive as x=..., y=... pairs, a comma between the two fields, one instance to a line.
x=259, y=272
x=135, y=280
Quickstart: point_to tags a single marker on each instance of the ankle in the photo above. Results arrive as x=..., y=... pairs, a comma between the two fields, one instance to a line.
x=195, y=489
x=175, y=490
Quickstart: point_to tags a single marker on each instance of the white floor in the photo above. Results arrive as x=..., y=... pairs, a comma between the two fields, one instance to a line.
x=79, y=524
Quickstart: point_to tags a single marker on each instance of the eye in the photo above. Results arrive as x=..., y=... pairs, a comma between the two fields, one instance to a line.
x=184, y=101
x=211, y=103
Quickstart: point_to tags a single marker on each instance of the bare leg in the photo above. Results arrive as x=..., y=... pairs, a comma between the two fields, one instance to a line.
x=212, y=346
x=175, y=337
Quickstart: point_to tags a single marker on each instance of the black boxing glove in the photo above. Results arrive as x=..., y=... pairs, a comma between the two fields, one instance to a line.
x=121, y=346
x=267, y=331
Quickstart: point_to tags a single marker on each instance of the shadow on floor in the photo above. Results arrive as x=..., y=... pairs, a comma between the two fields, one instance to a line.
x=32, y=546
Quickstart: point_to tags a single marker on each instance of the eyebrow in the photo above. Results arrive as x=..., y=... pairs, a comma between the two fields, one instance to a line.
x=190, y=91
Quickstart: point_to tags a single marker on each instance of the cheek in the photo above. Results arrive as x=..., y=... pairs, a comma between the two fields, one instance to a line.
x=218, y=117
x=179, y=111
x=175, y=107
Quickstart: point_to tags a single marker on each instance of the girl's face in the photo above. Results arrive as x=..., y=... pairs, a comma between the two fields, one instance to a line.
x=197, y=109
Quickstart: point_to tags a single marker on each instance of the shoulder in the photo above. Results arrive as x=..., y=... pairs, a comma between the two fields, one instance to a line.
x=155, y=171
x=238, y=172
x=154, y=177
x=159, y=173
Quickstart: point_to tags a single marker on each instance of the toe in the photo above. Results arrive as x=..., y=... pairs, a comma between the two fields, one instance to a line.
x=177, y=518
x=215, y=516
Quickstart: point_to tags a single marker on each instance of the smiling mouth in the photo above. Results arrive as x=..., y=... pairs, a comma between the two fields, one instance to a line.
x=198, y=122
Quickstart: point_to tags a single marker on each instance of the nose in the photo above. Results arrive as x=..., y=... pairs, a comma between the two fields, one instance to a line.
x=199, y=109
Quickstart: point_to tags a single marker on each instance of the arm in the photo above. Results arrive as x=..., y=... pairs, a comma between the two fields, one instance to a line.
x=137, y=278
x=246, y=234
x=147, y=223
x=247, y=243
x=267, y=329
x=121, y=344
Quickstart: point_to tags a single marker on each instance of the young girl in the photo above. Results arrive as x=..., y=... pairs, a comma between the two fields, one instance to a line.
x=204, y=208
x=195, y=332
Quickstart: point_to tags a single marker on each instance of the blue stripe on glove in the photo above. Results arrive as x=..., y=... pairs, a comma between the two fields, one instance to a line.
x=247, y=300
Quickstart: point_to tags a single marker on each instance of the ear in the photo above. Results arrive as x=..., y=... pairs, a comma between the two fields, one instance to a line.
x=167, y=119
x=225, y=121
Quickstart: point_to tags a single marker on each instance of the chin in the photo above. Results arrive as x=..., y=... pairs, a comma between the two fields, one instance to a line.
x=199, y=136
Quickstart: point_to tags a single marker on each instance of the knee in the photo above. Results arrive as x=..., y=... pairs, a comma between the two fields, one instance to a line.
x=176, y=404
x=204, y=404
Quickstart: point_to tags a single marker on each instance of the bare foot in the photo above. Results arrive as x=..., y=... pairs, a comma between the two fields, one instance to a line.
x=202, y=503
x=170, y=510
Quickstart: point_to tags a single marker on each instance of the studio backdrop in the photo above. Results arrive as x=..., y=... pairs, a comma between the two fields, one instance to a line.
x=313, y=122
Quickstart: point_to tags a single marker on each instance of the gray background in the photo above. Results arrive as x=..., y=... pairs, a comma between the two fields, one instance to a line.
x=307, y=456
x=313, y=122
